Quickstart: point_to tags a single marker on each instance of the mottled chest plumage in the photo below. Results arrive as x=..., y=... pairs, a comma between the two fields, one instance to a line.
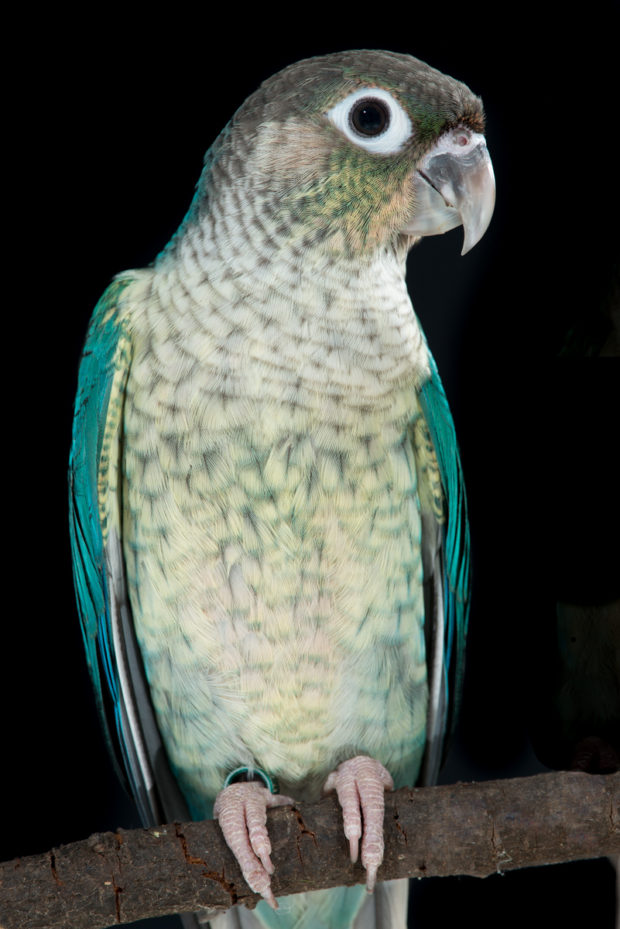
x=272, y=542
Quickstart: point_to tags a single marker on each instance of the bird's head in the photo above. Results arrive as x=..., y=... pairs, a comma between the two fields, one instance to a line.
x=358, y=148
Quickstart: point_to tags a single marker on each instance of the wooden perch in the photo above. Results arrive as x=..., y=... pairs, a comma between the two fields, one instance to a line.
x=462, y=829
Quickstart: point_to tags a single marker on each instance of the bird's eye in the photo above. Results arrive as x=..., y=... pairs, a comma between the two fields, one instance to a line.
x=373, y=119
x=370, y=117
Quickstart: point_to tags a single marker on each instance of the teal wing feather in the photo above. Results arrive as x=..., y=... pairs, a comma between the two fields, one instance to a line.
x=87, y=546
x=98, y=567
x=451, y=580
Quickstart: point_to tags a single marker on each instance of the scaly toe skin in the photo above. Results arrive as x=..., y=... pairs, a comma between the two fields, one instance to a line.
x=241, y=810
x=360, y=784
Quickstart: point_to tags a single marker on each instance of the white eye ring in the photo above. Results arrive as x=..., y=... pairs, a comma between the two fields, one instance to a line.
x=388, y=136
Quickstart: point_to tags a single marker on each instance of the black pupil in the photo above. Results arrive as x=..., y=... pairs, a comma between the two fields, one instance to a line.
x=370, y=117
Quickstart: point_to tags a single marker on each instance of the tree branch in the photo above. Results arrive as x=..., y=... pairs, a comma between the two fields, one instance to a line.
x=462, y=829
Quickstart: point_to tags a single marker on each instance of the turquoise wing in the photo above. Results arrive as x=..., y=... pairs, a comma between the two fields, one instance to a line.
x=95, y=505
x=447, y=579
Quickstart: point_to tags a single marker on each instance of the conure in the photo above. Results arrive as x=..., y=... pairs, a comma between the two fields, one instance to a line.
x=268, y=517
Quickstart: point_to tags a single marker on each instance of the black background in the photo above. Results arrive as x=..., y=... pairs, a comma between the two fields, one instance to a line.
x=112, y=116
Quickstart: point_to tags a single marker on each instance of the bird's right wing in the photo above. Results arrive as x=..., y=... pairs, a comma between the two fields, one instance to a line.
x=95, y=504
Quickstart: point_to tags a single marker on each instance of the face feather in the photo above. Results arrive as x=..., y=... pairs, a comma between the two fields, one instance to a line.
x=353, y=194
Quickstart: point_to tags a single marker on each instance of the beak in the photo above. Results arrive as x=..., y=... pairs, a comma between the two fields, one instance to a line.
x=454, y=186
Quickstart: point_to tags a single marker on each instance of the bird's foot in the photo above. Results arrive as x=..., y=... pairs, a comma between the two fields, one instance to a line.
x=360, y=784
x=241, y=810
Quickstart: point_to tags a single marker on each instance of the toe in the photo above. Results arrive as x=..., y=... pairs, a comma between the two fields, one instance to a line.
x=241, y=810
x=360, y=784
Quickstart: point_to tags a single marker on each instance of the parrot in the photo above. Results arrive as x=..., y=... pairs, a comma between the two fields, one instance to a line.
x=268, y=518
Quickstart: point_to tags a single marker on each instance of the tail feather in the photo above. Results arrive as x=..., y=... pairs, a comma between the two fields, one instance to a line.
x=386, y=908
x=336, y=908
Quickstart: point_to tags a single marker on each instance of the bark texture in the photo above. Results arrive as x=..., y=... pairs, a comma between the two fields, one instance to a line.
x=462, y=829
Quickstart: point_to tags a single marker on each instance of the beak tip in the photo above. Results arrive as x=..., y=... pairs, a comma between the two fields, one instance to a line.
x=455, y=189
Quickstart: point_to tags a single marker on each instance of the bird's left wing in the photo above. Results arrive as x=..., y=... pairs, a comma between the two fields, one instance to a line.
x=95, y=503
x=446, y=571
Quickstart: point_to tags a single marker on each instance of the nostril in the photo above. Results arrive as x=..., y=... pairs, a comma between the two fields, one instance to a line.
x=462, y=138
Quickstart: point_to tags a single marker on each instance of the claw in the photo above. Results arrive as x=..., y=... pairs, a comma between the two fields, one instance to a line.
x=360, y=784
x=241, y=810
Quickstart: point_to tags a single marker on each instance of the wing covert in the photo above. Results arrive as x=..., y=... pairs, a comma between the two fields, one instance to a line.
x=95, y=505
x=447, y=576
